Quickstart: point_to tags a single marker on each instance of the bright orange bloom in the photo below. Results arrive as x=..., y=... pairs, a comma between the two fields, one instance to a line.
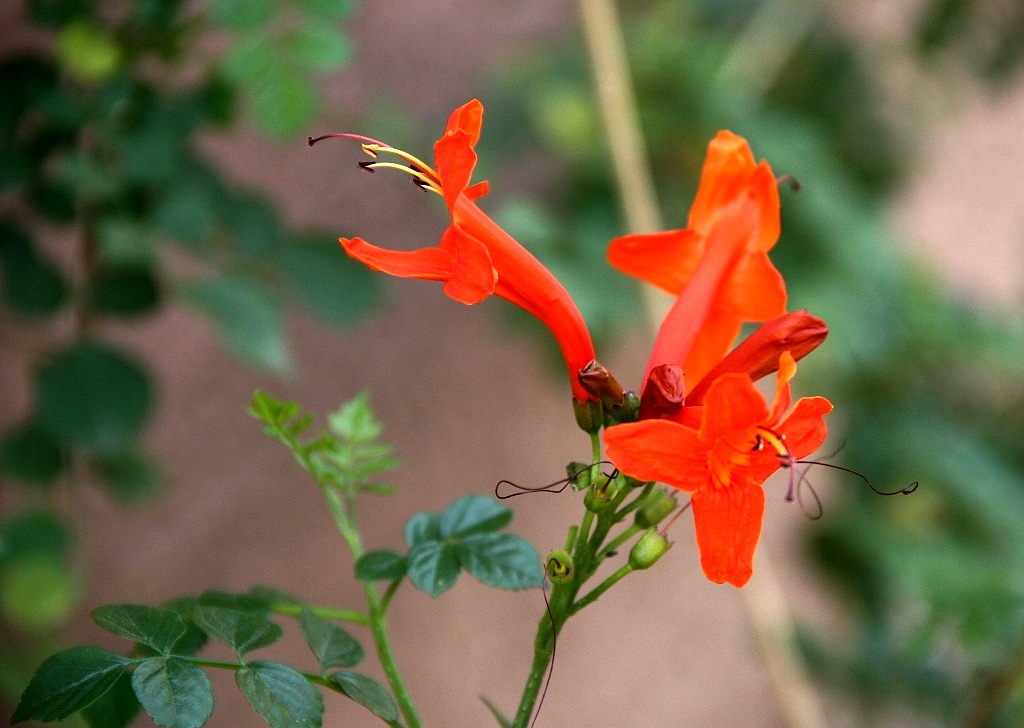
x=723, y=453
x=475, y=257
x=718, y=267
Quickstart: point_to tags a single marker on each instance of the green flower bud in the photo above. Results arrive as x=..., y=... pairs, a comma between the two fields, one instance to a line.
x=579, y=475
x=651, y=547
x=601, y=493
x=559, y=567
x=589, y=415
x=628, y=411
x=658, y=505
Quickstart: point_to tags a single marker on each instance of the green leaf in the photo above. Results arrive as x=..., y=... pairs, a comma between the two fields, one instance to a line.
x=126, y=291
x=333, y=646
x=241, y=631
x=433, y=567
x=116, y=708
x=355, y=420
x=246, y=317
x=336, y=287
x=87, y=52
x=283, y=103
x=31, y=533
x=381, y=565
x=30, y=455
x=187, y=210
x=248, y=60
x=173, y=691
x=319, y=47
x=157, y=628
x=123, y=241
x=328, y=8
x=38, y=593
x=69, y=681
x=421, y=528
x=473, y=514
x=243, y=13
x=32, y=285
x=501, y=560
x=367, y=692
x=281, y=695
x=255, y=224
x=496, y=712
x=130, y=477
x=92, y=396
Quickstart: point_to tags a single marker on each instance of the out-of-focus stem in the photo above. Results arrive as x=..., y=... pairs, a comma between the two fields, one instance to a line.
x=769, y=614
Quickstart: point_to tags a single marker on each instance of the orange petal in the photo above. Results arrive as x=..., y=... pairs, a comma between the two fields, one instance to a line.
x=727, y=171
x=755, y=290
x=783, y=392
x=455, y=160
x=472, y=276
x=468, y=118
x=763, y=189
x=758, y=355
x=475, y=192
x=659, y=450
x=728, y=526
x=713, y=340
x=732, y=405
x=432, y=264
x=805, y=427
x=665, y=259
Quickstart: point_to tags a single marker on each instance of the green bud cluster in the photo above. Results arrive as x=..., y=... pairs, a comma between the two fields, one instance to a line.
x=646, y=552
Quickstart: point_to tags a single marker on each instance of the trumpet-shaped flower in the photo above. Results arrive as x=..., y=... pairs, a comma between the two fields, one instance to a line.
x=725, y=451
x=718, y=267
x=475, y=257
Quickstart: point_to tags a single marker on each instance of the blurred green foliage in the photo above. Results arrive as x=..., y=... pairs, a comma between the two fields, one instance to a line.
x=926, y=386
x=103, y=194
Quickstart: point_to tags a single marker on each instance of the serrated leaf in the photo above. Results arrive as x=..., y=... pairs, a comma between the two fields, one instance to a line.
x=241, y=631
x=502, y=560
x=474, y=514
x=355, y=420
x=92, y=396
x=333, y=646
x=173, y=691
x=433, y=567
x=247, y=318
x=380, y=565
x=281, y=695
x=367, y=692
x=68, y=682
x=421, y=528
x=151, y=626
x=116, y=708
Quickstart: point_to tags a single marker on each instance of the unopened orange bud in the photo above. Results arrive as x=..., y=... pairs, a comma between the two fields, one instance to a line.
x=664, y=394
x=599, y=382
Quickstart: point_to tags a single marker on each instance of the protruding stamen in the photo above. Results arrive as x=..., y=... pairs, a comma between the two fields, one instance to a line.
x=423, y=174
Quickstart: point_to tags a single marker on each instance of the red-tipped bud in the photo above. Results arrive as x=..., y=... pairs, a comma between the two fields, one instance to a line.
x=664, y=394
x=599, y=382
x=798, y=332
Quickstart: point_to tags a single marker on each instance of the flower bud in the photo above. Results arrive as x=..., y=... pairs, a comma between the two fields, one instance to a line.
x=627, y=411
x=589, y=414
x=559, y=567
x=657, y=506
x=578, y=475
x=664, y=392
x=599, y=382
x=651, y=547
x=601, y=493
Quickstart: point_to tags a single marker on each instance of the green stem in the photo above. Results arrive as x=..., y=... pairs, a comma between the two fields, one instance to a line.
x=600, y=589
x=339, y=615
x=543, y=650
x=636, y=502
x=621, y=538
x=377, y=610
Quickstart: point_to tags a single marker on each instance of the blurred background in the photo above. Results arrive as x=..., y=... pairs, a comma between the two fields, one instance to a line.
x=168, y=245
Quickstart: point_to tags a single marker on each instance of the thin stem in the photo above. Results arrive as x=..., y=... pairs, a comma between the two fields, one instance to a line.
x=636, y=502
x=600, y=589
x=378, y=614
x=339, y=615
x=390, y=592
x=543, y=647
x=621, y=538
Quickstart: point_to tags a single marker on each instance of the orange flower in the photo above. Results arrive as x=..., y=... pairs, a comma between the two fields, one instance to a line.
x=722, y=454
x=475, y=257
x=718, y=267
